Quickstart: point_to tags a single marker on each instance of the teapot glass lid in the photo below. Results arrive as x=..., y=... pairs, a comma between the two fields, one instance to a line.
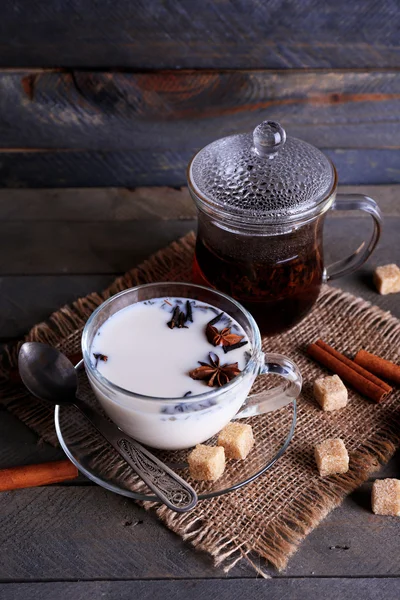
x=262, y=176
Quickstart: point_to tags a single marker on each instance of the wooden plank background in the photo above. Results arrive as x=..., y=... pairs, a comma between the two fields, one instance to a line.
x=366, y=588
x=58, y=245
x=217, y=34
x=186, y=109
x=122, y=94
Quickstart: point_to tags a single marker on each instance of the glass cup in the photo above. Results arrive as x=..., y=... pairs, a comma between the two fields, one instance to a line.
x=178, y=423
x=262, y=199
x=275, y=270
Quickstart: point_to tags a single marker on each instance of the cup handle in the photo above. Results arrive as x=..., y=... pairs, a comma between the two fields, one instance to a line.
x=358, y=258
x=279, y=396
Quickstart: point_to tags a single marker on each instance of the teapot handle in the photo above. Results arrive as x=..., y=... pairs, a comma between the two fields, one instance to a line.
x=358, y=258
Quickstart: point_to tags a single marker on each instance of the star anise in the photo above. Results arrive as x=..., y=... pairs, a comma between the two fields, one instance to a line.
x=224, y=337
x=214, y=373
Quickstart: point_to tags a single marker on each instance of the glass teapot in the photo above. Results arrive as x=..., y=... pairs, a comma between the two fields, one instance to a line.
x=262, y=199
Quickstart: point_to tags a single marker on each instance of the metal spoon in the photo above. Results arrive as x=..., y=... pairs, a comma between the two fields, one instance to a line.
x=50, y=376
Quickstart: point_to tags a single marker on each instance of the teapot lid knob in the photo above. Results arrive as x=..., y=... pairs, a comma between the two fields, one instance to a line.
x=269, y=137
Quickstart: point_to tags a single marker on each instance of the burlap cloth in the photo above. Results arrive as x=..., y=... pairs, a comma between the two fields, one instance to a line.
x=273, y=514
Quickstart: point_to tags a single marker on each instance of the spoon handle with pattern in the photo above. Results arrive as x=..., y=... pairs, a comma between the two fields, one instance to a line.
x=171, y=489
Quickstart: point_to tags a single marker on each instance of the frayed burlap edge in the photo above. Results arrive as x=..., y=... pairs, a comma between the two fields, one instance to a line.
x=282, y=538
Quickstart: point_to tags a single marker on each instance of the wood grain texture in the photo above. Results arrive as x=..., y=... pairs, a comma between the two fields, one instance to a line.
x=78, y=532
x=27, y=300
x=20, y=446
x=298, y=589
x=167, y=110
x=103, y=204
x=123, y=204
x=73, y=168
x=105, y=248
x=101, y=231
x=333, y=548
x=109, y=249
x=87, y=533
x=200, y=34
x=83, y=247
x=82, y=128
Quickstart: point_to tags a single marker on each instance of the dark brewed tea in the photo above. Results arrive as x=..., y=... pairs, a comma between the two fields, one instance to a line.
x=278, y=292
x=262, y=198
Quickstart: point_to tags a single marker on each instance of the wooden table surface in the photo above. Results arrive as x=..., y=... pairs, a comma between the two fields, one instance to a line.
x=79, y=541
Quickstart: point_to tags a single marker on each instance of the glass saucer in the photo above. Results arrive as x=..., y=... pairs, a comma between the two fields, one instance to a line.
x=98, y=460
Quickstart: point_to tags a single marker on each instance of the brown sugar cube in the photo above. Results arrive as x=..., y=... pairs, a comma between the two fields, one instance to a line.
x=237, y=440
x=206, y=463
x=331, y=457
x=330, y=392
x=387, y=279
x=386, y=497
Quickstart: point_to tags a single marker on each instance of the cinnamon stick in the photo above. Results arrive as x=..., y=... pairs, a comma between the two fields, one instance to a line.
x=36, y=475
x=346, y=371
x=380, y=366
x=353, y=365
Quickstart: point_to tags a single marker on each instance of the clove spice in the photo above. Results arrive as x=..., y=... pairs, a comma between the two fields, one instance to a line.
x=227, y=349
x=178, y=319
x=215, y=319
x=98, y=356
x=189, y=313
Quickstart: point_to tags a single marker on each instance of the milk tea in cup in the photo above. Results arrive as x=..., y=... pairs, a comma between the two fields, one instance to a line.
x=171, y=363
x=171, y=348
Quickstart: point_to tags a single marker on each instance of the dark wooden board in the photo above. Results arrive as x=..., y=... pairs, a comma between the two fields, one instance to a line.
x=80, y=168
x=27, y=300
x=298, y=589
x=126, y=204
x=108, y=204
x=79, y=247
x=350, y=542
x=85, y=168
x=21, y=446
x=169, y=110
x=110, y=248
x=86, y=533
x=200, y=34
x=114, y=247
